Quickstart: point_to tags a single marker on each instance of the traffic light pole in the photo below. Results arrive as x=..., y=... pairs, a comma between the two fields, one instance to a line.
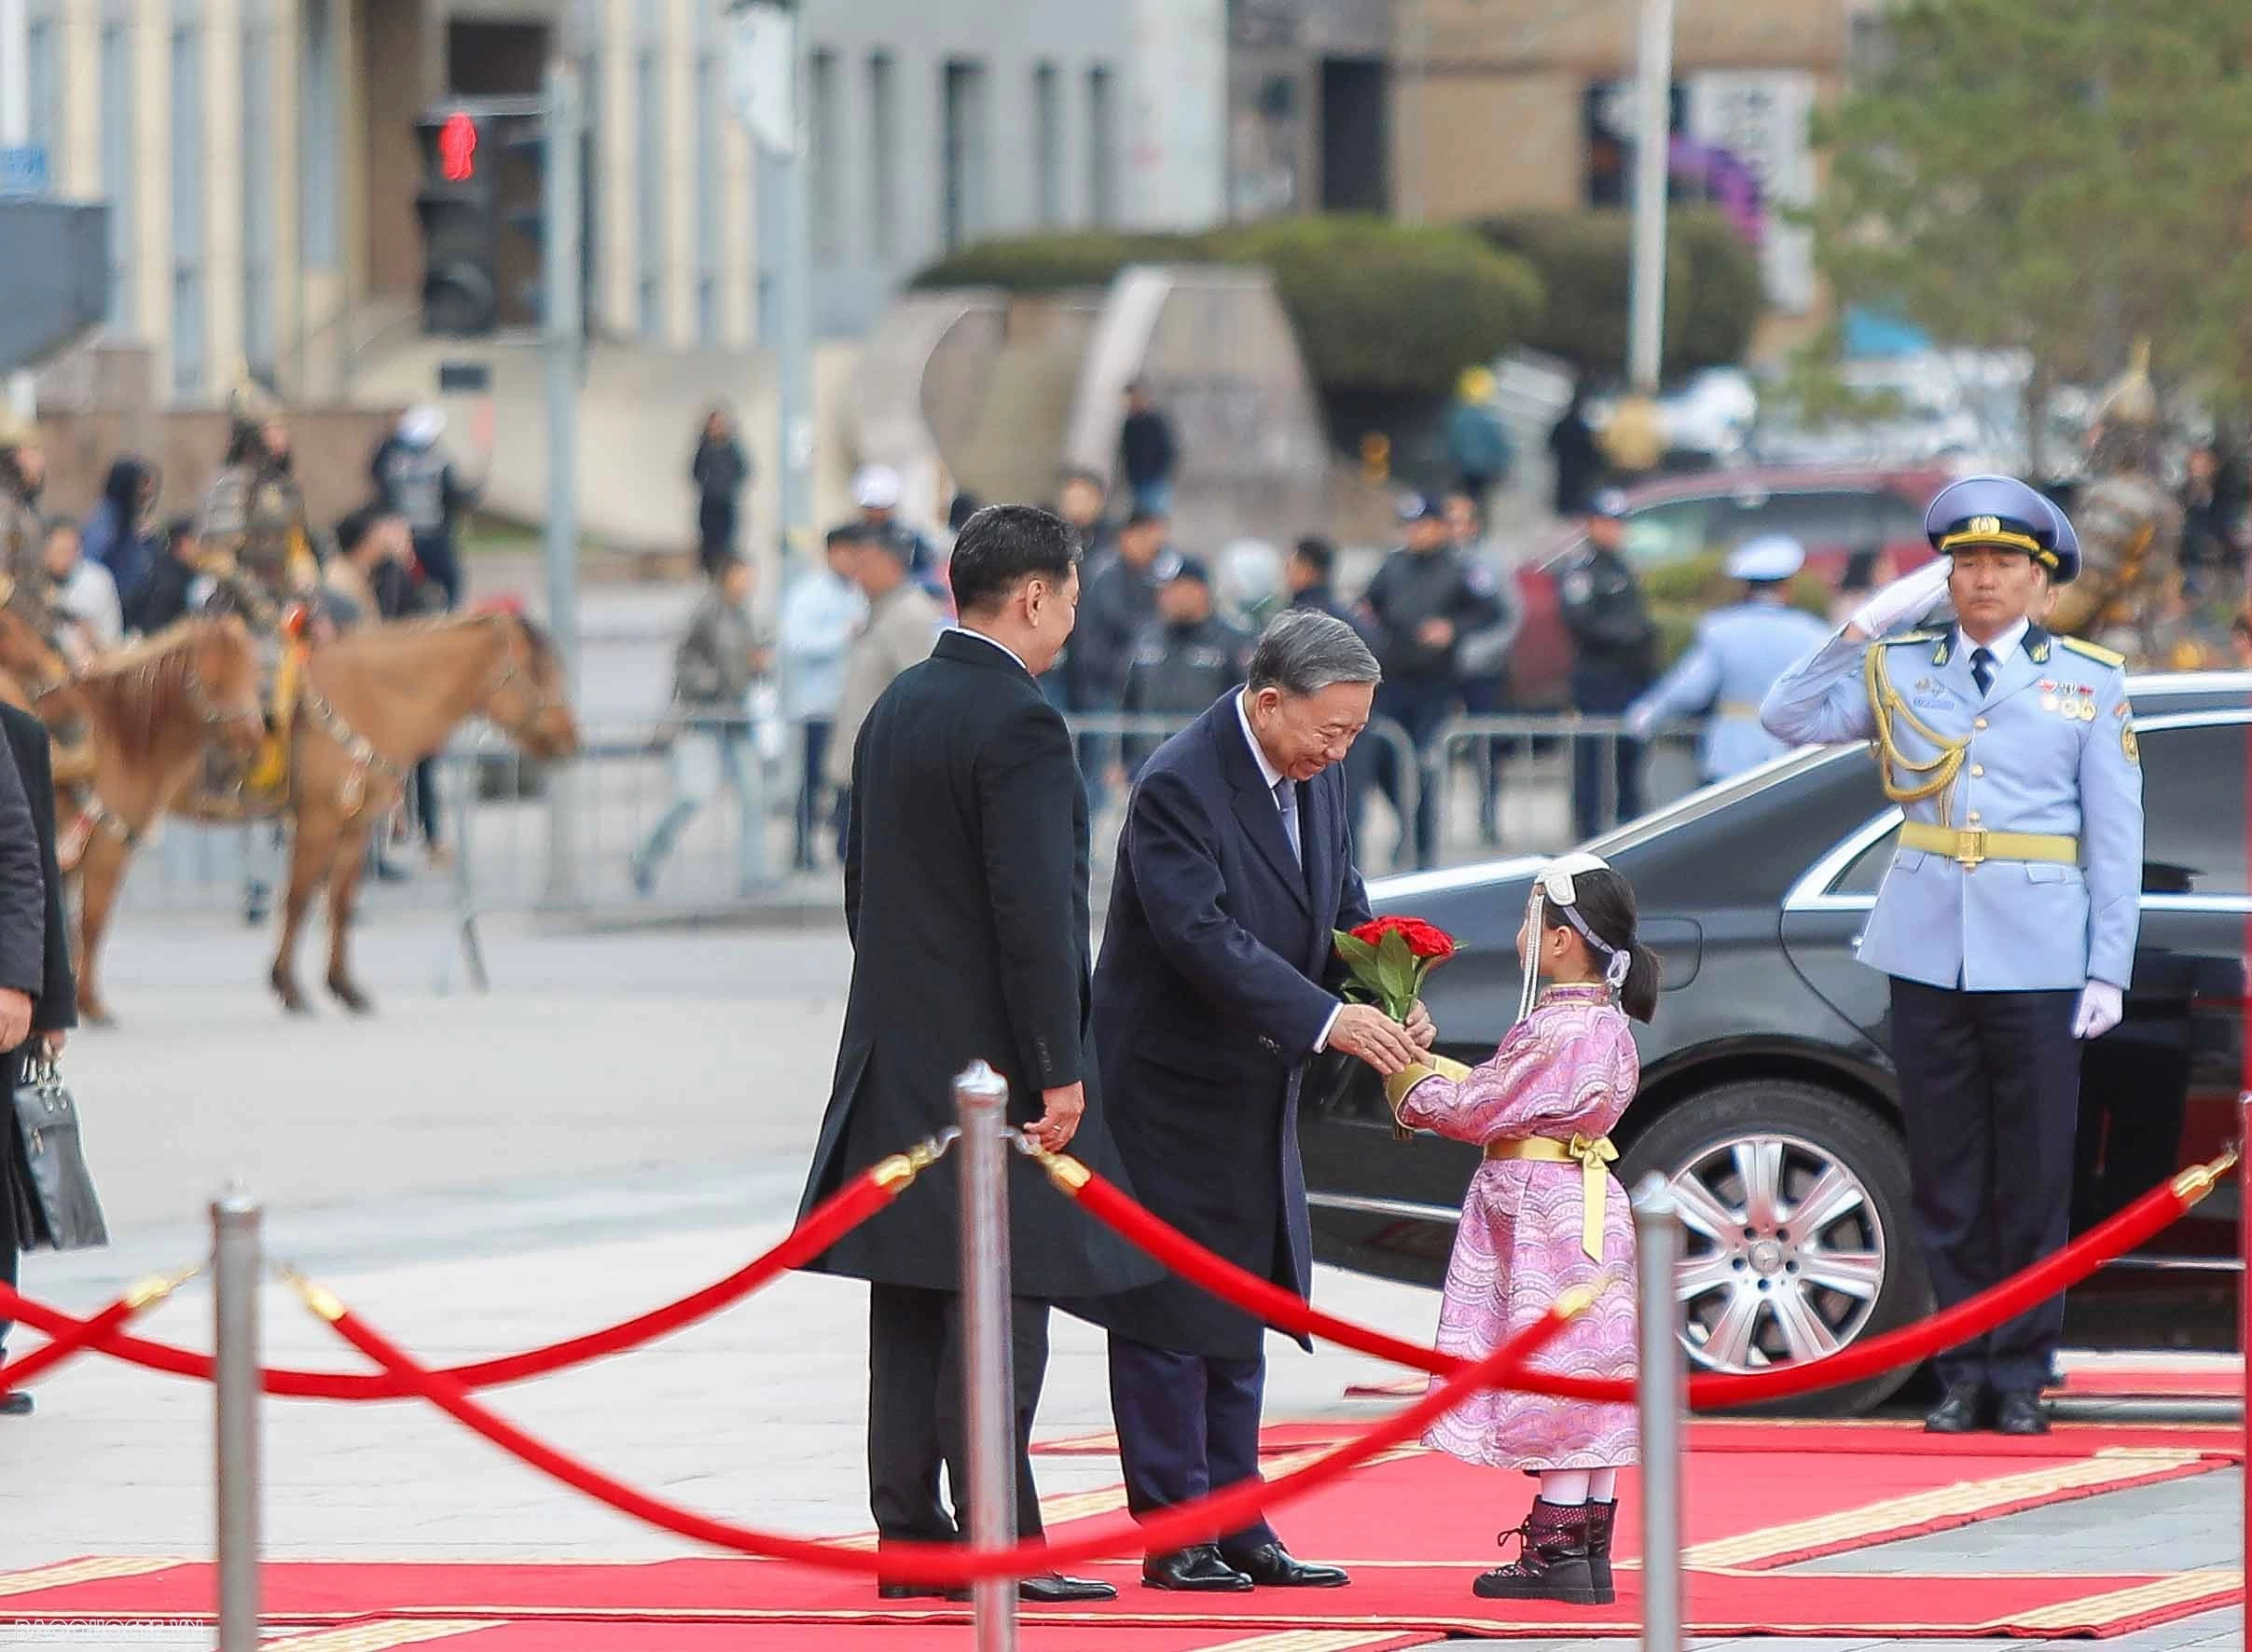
x=562, y=345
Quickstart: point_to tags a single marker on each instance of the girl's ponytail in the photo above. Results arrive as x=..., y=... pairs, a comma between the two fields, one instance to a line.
x=1639, y=997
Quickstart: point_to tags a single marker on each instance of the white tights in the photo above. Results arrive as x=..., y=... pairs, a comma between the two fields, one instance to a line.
x=1567, y=1488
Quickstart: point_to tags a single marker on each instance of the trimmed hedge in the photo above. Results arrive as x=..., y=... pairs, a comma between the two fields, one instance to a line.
x=1713, y=289
x=1377, y=307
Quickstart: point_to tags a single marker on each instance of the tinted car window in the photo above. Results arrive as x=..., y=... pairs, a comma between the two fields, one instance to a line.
x=2193, y=810
x=2193, y=817
x=1826, y=520
x=1666, y=532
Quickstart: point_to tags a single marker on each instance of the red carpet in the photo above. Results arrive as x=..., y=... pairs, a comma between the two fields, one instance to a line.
x=625, y=1608
x=1888, y=1436
x=487, y=1635
x=2153, y=1382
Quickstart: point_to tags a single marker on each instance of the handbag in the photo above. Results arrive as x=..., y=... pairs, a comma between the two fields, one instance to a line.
x=56, y=1208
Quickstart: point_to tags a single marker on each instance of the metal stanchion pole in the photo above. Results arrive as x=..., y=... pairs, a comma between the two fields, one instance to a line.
x=1662, y=1392
x=988, y=1388
x=234, y=1227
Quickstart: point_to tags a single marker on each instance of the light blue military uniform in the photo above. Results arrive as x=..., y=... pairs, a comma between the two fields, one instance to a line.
x=2007, y=920
x=1740, y=653
x=2048, y=749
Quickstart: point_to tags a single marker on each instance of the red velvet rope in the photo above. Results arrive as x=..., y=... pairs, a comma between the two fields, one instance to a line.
x=947, y=1563
x=1176, y=1251
x=39, y=1361
x=852, y=1204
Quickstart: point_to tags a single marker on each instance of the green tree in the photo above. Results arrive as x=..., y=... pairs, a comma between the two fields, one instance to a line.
x=2062, y=178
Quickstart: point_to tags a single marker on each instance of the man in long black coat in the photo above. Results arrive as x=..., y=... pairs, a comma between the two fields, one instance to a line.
x=1236, y=865
x=966, y=896
x=39, y=993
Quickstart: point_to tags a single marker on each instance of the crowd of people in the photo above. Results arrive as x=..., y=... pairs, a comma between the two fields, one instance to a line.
x=126, y=568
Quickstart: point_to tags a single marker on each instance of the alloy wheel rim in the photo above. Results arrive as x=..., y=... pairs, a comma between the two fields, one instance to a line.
x=1784, y=1254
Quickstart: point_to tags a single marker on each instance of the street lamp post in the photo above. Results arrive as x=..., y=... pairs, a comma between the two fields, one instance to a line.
x=1653, y=124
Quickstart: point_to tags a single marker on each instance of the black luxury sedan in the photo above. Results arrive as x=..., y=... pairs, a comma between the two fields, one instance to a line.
x=1768, y=1100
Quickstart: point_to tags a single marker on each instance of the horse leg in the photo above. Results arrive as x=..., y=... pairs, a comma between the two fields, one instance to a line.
x=310, y=848
x=101, y=872
x=343, y=890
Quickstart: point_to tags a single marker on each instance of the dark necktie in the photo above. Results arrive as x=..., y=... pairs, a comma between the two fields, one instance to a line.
x=1286, y=799
x=1981, y=669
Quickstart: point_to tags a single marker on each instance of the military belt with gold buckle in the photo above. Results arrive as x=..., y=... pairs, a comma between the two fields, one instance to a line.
x=1969, y=846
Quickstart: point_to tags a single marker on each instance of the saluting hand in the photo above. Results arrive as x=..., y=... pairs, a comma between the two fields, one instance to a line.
x=1065, y=1106
x=1375, y=1037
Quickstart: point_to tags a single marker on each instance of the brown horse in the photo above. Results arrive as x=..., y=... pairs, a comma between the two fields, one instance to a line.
x=373, y=703
x=152, y=710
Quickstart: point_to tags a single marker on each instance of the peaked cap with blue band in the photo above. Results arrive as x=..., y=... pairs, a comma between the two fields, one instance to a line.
x=2003, y=513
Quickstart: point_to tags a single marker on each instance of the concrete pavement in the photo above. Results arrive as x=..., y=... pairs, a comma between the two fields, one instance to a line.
x=623, y=1119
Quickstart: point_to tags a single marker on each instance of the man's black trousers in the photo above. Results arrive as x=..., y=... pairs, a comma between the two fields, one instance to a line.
x=1990, y=1085
x=915, y=1411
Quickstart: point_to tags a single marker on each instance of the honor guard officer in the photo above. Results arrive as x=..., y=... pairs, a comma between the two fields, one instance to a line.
x=1740, y=653
x=2007, y=918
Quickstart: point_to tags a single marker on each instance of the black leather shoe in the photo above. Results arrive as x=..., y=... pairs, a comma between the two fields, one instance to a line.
x=2020, y=1412
x=15, y=1403
x=1960, y=1412
x=1197, y=1570
x=919, y=1591
x=1272, y=1566
x=1053, y=1589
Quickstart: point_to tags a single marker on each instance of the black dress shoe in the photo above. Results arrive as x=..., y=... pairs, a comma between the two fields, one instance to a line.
x=1053, y=1589
x=1960, y=1412
x=2020, y=1412
x=15, y=1403
x=919, y=1591
x=1197, y=1570
x=1272, y=1566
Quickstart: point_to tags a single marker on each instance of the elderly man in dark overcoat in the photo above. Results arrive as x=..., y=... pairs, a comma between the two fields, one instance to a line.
x=39, y=993
x=966, y=897
x=1214, y=988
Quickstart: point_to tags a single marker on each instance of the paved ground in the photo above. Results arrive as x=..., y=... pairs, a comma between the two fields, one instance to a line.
x=624, y=1118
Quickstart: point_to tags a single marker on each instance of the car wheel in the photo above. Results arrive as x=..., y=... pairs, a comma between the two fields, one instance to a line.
x=1796, y=1239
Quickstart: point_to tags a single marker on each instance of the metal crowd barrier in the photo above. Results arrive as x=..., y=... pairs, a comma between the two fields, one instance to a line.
x=501, y=809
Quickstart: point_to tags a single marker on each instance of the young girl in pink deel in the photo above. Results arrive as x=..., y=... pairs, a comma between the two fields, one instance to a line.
x=1542, y=1215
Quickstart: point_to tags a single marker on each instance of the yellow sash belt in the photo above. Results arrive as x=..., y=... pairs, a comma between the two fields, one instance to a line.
x=1593, y=1155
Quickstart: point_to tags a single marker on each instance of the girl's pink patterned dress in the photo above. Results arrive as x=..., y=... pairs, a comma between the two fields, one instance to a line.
x=1568, y=1069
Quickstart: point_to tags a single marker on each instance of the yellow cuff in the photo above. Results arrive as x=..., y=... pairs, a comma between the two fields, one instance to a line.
x=1407, y=1078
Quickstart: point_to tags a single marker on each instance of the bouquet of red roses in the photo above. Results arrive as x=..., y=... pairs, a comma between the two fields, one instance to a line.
x=1387, y=960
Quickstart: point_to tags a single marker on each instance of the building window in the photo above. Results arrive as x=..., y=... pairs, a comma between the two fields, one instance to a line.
x=965, y=146
x=44, y=71
x=318, y=100
x=823, y=135
x=883, y=156
x=711, y=196
x=258, y=339
x=1103, y=146
x=1047, y=147
x=118, y=174
x=189, y=340
x=649, y=183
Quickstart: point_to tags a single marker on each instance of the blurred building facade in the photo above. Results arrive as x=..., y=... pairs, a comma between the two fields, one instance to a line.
x=262, y=166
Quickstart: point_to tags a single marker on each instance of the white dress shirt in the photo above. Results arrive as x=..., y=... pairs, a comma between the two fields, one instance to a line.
x=1274, y=777
x=2001, y=648
x=994, y=643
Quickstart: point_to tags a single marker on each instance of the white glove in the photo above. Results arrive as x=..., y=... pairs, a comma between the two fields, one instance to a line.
x=1904, y=600
x=1640, y=720
x=2101, y=1007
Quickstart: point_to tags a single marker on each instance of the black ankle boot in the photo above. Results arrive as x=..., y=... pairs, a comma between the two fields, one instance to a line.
x=1554, y=1564
x=1601, y=1516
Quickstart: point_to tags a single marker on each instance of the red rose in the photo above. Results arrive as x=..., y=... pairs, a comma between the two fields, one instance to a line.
x=1424, y=941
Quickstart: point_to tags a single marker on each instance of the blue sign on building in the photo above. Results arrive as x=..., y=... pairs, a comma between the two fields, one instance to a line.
x=23, y=168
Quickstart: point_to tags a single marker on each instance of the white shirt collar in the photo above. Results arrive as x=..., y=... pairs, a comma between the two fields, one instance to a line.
x=991, y=643
x=1267, y=771
x=2002, y=647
